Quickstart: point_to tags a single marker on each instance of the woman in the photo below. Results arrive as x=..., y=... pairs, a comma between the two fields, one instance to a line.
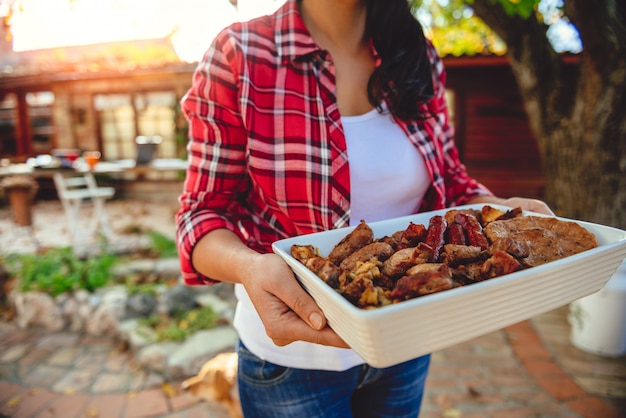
x=320, y=115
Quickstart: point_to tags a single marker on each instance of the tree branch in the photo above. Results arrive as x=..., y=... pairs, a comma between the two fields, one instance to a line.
x=602, y=28
x=537, y=67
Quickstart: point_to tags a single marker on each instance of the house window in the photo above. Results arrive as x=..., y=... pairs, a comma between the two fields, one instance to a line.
x=8, y=121
x=40, y=105
x=117, y=125
x=156, y=117
x=124, y=117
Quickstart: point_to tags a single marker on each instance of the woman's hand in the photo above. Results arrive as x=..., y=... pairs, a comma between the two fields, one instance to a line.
x=532, y=205
x=288, y=312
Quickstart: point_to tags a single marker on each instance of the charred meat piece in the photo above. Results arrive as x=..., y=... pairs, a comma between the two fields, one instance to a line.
x=510, y=214
x=402, y=260
x=451, y=213
x=360, y=289
x=358, y=238
x=413, y=234
x=454, y=254
x=473, y=230
x=435, y=236
x=379, y=251
x=490, y=214
x=303, y=252
x=499, y=264
x=468, y=273
x=425, y=280
x=325, y=270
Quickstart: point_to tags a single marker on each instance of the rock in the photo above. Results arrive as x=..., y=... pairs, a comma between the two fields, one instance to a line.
x=217, y=304
x=133, y=267
x=82, y=296
x=140, y=305
x=199, y=348
x=167, y=267
x=176, y=299
x=154, y=357
x=70, y=309
x=37, y=308
x=104, y=319
x=137, y=336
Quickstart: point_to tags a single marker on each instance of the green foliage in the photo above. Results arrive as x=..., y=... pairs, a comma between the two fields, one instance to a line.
x=58, y=270
x=162, y=245
x=455, y=30
x=182, y=324
x=522, y=8
x=134, y=288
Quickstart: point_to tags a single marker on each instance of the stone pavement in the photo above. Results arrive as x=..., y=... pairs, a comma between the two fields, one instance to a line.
x=529, y=369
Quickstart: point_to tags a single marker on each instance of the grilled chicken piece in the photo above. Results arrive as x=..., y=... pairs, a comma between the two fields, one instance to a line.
x=402, y=260
x=358, y=238
x=360, y=289
x=424, y=279
x=456, y=254
x=303, y=252
x=325, y=270
x=379, y=251
x=499, y=264
x=413, y=234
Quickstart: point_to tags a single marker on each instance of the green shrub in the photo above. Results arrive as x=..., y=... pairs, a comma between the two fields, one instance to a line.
x=58, y=270
x=182, y=324
x=162, y=245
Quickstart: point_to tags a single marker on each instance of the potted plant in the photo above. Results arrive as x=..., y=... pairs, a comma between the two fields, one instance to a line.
x=20, y=191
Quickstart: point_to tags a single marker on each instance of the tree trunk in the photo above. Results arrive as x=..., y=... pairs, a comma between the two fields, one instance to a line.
x=580, y=124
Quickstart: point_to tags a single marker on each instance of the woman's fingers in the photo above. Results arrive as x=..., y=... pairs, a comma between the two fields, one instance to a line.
x=288, y=312
x=532, y=205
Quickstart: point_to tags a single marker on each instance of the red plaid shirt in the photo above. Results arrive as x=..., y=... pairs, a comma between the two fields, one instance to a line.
x=267, y=151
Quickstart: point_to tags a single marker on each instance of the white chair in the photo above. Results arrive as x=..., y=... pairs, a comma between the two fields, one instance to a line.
x=76, y=188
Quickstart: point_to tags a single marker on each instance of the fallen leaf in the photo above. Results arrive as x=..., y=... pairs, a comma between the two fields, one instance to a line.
x=91, y=412
x=14, y=401
x=451, y=413
x=69, y=391
x=168, y=389
x=474, y=393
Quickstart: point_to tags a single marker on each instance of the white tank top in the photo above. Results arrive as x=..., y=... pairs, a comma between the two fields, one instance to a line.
x=388, y=178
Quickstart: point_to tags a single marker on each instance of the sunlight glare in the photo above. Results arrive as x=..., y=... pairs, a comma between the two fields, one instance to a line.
x=192, y=24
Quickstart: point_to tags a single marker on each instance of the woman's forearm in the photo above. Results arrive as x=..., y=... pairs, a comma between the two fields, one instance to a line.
x=222, y=256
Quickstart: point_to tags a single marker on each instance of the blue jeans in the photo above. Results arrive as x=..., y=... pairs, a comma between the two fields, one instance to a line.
x=269, y=390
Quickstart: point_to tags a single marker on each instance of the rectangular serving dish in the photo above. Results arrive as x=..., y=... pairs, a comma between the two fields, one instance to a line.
x=392, y=334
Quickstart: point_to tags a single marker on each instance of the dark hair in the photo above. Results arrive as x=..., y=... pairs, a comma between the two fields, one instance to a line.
x=404, y=77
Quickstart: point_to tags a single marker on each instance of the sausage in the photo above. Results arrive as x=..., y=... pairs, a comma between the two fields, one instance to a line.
x=473, y=230
x=435, y=236
x=455, y=234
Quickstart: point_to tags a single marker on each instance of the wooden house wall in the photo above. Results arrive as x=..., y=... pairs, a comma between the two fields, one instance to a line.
x=492, y=130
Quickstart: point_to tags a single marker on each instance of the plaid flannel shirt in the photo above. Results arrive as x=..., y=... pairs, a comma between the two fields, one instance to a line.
x=267, y=151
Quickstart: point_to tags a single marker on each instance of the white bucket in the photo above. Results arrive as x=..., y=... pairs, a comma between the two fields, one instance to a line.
x=598, y=321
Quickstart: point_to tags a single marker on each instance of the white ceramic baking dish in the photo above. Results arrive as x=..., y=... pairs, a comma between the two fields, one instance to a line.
x=392, y=334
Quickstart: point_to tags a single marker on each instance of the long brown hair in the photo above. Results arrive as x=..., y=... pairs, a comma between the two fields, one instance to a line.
x=404, y=78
